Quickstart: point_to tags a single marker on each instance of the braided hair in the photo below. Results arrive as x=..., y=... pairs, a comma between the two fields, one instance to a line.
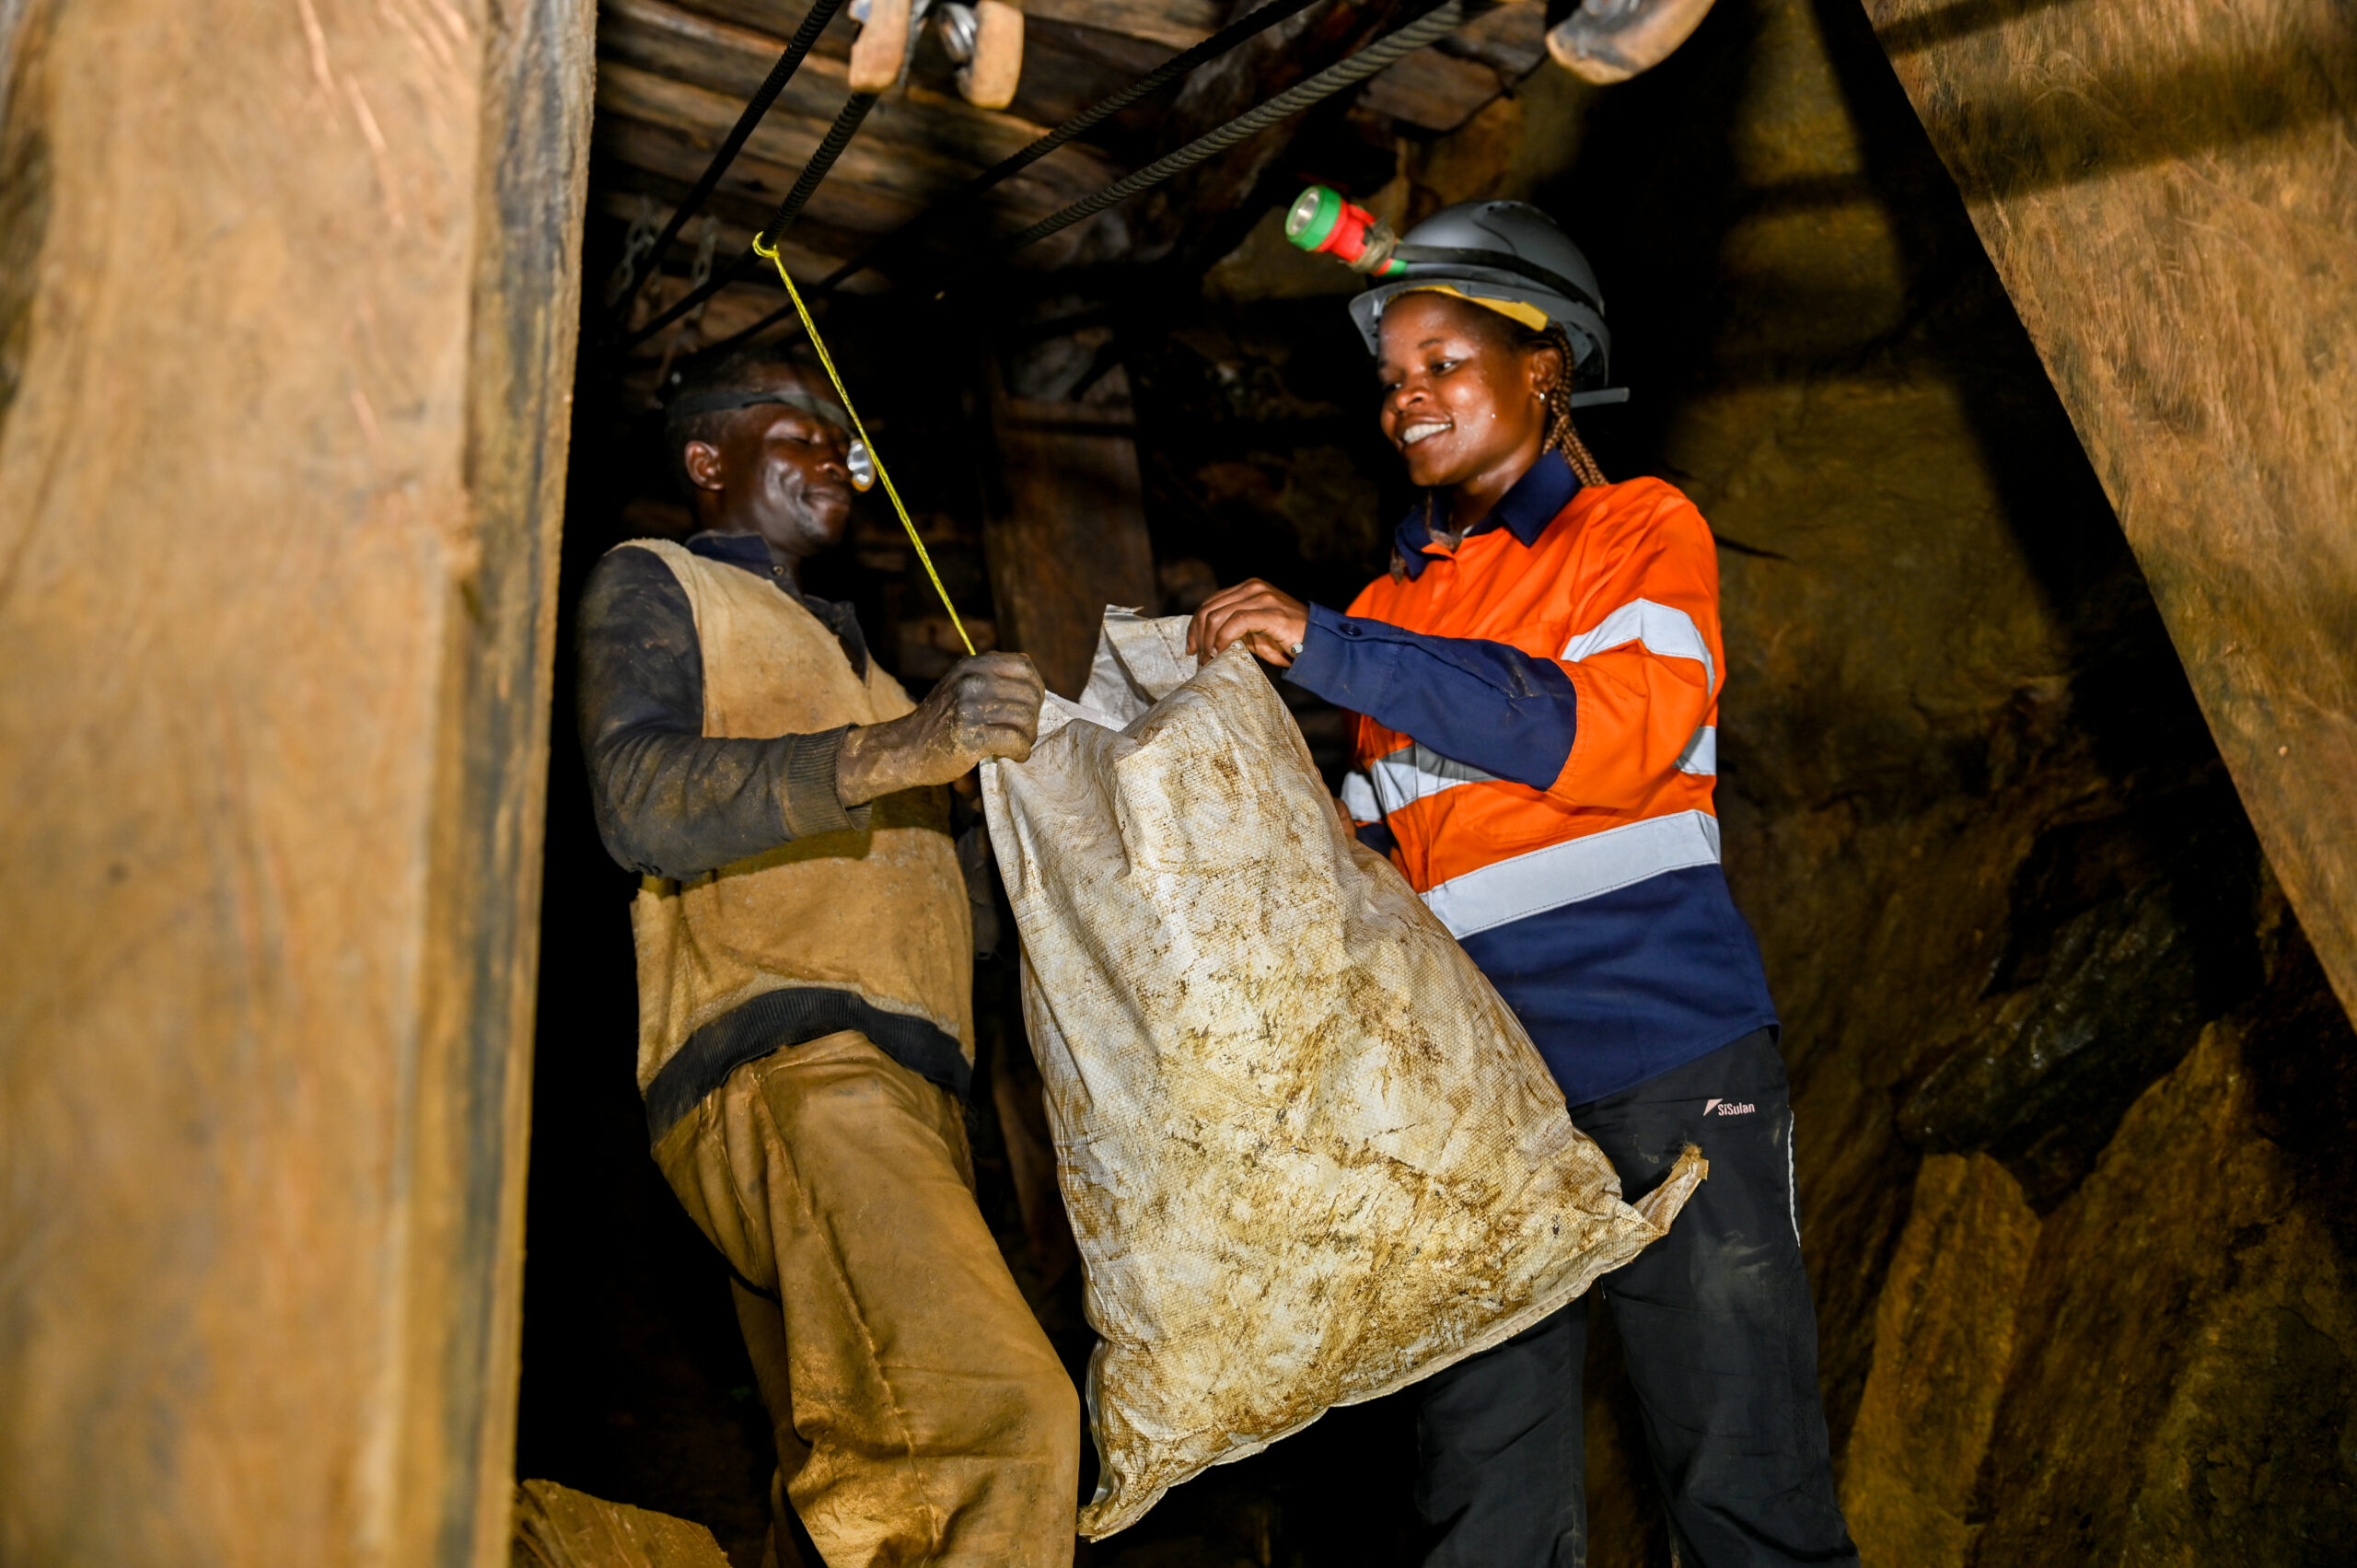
x=1563, y=436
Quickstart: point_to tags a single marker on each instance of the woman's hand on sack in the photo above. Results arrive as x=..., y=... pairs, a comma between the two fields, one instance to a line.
x=1268, y=621
x=986, y=706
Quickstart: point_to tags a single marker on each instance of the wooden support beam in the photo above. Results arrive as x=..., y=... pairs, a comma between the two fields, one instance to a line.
x=1068, y=533
x=1169, y=220
x=813, y=248
x=866, y=190
x=1179, y=24
x=282, y=452
x=2167, y=192
x=931, y=129
x=1439, y=88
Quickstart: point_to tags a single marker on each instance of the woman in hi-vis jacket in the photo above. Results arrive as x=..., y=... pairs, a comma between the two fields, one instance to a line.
x=1535, y=683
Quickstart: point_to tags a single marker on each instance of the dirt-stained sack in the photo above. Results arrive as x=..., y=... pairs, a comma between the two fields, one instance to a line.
x=1309, y=1156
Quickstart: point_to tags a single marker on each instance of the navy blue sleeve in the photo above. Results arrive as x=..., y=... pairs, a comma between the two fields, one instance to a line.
x=1482, y=703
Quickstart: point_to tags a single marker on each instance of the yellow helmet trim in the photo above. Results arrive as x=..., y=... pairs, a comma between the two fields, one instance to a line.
x=1529, y=316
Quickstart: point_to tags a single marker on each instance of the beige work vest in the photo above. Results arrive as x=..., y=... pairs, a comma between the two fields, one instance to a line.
x=879, y=912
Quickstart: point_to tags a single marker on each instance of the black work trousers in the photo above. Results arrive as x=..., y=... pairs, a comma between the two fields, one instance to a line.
x=1721, y=1339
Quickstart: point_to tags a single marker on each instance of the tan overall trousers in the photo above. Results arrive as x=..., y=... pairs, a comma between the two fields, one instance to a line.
x=921, y=1415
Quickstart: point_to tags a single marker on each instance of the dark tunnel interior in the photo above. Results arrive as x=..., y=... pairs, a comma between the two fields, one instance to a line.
x=2031, y=961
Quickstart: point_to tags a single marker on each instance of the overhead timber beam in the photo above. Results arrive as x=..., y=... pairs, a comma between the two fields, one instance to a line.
x=1067, y=534
x=1167, y=219
x=286, y=337
x=2167, y=191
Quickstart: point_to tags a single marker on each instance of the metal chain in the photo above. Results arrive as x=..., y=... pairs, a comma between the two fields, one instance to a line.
x=623, y=281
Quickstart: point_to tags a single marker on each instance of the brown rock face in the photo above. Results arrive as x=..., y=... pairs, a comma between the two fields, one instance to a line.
x=1931, y=1398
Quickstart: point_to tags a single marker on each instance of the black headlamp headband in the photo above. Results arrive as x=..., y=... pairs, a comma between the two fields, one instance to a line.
x=722, y=402
x=1496, y=261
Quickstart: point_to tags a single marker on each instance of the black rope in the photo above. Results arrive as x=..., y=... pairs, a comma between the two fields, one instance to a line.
x=1443, y=19
x=1162, y=75
x=830, y=148
x=821, y=13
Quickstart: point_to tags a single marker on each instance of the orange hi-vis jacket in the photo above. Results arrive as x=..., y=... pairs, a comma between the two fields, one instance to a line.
x=1537, y=738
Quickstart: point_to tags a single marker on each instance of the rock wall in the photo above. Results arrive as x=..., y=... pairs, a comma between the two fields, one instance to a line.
x=2064, y=1064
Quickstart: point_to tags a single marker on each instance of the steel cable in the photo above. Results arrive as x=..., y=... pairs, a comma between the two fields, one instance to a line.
x=1247, y=27
x=1385, y=50
x=805, y=36
x=830, y=148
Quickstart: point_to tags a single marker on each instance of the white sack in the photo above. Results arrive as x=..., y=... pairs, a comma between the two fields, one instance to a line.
x=1309, y=1156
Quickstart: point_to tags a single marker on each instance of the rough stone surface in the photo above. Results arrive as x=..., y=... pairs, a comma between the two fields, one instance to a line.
x=559, y=1528
x=1930, y=1398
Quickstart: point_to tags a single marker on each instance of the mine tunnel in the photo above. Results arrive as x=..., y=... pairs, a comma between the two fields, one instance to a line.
x=2005, y=345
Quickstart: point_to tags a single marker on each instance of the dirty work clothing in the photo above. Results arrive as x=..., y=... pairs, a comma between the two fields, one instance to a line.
x=768, y=914
x=920, y=1414
x=669, y=804
x=1721, y=1340
x=1537, y=713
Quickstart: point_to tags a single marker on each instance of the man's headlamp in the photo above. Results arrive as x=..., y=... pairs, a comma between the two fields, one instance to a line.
x=855, y=458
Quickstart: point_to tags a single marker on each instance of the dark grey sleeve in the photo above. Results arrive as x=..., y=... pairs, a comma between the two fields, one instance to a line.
x=669, y=802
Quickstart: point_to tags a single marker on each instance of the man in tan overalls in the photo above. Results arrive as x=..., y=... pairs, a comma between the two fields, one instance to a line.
x=806, y=1030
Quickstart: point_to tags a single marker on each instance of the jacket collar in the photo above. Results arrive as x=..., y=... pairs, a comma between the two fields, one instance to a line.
x=747, y=550
x=1531, y=503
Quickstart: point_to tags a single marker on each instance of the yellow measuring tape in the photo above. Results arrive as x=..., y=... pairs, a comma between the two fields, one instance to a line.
x=764, y=249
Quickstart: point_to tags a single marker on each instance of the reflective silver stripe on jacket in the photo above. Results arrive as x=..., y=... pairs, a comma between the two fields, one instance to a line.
x=1416, y=771
x=1664, y=629
x=1579, y=868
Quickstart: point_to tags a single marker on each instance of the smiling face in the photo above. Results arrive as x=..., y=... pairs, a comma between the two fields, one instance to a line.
x=1461, y=400
x=776, y=472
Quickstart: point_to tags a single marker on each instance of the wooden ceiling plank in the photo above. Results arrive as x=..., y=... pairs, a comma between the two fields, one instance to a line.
x=887, y=162
x=617, y=199
x=1432, y=91
x=655, y=35
x=770, y=163
x=1512, y=37
x=647, y=160
x=874, y=188
x=1181, y=24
